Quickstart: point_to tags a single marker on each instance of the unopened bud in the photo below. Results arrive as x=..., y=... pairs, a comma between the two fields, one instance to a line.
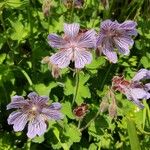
x=112, y=110
x=80, y=111
x=104, y=105
x=105, y=4
x=53, y=67
x=45, y=60
x=73, y=3
x=46, y=7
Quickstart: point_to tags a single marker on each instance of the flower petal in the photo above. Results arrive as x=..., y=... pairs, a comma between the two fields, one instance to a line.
x=33, y=95
x=55, y=106
x=142, y=74
x=100, y=39
x=110, y=54
x=52, y=114
x=147, y=86
x=18, y=119
x=88, y=40
x=123, y=44
x=108, y=24
x=38, y=99
x=129, y=27
x=82, y=57
x=56, y=42
x=62, y=58
x=71, y=30
x=36, y=127
x=17, y=102
x=128, y=24
x=13, y=116
x=136, y=94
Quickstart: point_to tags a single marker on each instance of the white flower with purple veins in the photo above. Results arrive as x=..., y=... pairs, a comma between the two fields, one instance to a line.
x=134, y=90
x=114, y=35
x=35, y=111
x=73, y=46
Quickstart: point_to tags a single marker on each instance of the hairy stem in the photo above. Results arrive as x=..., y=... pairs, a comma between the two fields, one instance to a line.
x=88, y=124
x=76, y=87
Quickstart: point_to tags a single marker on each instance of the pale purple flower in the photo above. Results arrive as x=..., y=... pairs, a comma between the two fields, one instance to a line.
x=33, y=111
x=73, y=46
x=114, y=35
x=134, y=90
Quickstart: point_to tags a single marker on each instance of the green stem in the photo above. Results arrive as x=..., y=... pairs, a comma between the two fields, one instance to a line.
x=27, y=77
x=28, y=145
x=106, y=75
x=79, y=123
x=72, y=13
x=5, y=31
x=88, y=124
x=76, y=87
x=5, y=91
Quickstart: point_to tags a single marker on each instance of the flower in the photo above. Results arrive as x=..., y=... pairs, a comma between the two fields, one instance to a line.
x=35, y=111
x=73, y=46
x=114, y=35
x=134, y=89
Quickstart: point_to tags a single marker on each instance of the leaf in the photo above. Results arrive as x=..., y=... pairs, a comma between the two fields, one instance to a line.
x=67, y=110
x=73, y=133
x=42, y=89
x=96, y=64
x=38, y=139
x=16, y=3
x=82, y=89
x=20, y=32
x=134, y=141
x=92, y=147
x=2, y=57
x=57, y=134
x=145, y=61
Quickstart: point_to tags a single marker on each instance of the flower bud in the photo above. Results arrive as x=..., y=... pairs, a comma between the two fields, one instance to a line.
x=104, y=105
x=46, y=7
x=112, y=110
x=80, y=111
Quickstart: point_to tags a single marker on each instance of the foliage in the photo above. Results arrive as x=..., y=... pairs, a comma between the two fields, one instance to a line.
x=23, y=44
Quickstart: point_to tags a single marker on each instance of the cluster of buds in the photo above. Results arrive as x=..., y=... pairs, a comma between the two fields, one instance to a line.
x=109, y=103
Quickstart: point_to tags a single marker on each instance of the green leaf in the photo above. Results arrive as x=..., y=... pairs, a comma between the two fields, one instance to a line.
x=73, y=133
x=57, y=134
x=20, y=32
x=16, y=3
x=38, y=139
x=82, y=91
x=67, y=110
x=42, y=89
x=96, y=64
x=2, y=57
x=134, y=141
x=145, y=61
x=92, y=147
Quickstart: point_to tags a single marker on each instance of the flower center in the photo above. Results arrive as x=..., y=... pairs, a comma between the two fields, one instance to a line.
x=34, y=108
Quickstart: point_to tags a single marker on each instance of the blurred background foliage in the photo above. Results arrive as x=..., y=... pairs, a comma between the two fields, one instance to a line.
x=24, y=27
